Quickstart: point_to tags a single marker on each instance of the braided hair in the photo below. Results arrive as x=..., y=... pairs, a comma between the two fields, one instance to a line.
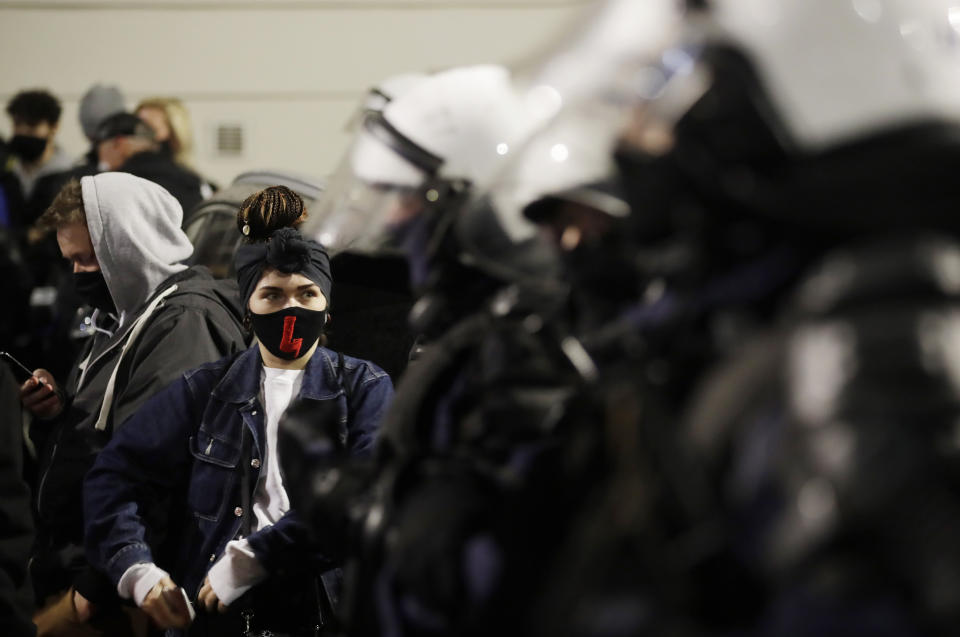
x=264, y=212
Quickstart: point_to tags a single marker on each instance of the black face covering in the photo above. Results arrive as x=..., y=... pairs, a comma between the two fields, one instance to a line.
x=92, y=288
x=604, y=276
x=27, y=147
x=289, y=333
x=653, y=186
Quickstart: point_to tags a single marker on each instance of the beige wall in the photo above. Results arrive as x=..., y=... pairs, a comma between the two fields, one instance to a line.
x=289, y=71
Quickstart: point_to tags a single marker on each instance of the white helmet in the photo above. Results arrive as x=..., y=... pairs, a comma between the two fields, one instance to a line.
x=584, y=86
x=823, y=72
x=430, y=146
x=836, y=69
x=612, y=36
x=377, y=97
x=569, y=153
x=745, y=87
x=808, y=110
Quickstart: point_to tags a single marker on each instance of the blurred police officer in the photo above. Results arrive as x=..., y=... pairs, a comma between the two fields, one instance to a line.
x=479, y=415
x=802, y=343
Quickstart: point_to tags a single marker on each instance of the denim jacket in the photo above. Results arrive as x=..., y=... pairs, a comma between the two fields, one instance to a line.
x=184, y=446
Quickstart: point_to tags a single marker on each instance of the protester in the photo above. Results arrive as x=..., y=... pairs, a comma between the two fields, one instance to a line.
x=155, y=318
x=170, y=121
x=212, y=436
x=126, y=144
x=35, y=116
x=96, y=105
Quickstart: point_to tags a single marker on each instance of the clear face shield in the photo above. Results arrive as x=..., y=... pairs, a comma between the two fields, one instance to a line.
x=373, y=102
x=637, y=107
x=378, y=97
x=383, y=183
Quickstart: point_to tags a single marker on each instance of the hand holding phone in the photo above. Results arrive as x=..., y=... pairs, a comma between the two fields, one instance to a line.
x=20, y=371
x=39, y=392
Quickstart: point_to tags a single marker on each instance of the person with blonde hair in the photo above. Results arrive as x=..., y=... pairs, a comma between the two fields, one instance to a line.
x=170, y=121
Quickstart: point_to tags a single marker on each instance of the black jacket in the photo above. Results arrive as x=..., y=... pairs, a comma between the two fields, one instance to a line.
x=198, y=322
x=160, y=168
x=16, y=525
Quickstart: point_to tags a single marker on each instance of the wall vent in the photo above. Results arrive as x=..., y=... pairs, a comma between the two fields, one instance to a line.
x=230, y=140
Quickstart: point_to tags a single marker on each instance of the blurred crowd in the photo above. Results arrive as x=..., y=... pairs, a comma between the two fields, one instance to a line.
x=679, y=348
x=154, y=141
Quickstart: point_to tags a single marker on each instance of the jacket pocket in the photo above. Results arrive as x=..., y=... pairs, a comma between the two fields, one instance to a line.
x=213, y=474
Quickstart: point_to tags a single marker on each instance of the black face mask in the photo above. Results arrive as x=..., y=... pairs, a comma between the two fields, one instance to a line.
x=93, y=290
x=653, y=186
x=604, y=275
x=289, y=333
x=27, y=147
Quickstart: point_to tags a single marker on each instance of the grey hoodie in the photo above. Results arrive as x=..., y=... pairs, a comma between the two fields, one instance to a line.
x=175, y=319
x=135, y=229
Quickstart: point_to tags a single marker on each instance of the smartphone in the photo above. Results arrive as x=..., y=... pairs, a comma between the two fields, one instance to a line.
x=20, y=371
x=179, y=602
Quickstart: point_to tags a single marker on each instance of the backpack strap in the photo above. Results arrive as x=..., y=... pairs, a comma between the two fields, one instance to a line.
x=138, y=326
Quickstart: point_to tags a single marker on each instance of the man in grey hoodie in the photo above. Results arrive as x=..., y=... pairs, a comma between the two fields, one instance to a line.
x=155, y=319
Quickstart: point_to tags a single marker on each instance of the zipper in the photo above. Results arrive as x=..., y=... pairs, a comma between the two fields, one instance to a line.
x=120, y=339
x=121, y=334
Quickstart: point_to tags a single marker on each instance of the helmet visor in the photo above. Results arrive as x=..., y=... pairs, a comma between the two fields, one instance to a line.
x=639, y=104
x=378, y=188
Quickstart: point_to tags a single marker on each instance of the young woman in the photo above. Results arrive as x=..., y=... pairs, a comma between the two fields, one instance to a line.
x=208, y=443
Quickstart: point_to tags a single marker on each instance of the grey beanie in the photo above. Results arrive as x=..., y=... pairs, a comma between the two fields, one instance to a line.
x=98, y=103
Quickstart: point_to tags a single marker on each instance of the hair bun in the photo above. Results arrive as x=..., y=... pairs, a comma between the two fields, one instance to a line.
x=265, y=212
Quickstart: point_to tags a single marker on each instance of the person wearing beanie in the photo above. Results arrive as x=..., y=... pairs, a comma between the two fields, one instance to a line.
x=96, y=105
x=211, y=437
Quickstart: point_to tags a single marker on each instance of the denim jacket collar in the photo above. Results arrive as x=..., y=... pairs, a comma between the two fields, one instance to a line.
x=241, y=383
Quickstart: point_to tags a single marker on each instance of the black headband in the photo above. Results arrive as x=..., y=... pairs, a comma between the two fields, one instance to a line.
x=288, y=252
